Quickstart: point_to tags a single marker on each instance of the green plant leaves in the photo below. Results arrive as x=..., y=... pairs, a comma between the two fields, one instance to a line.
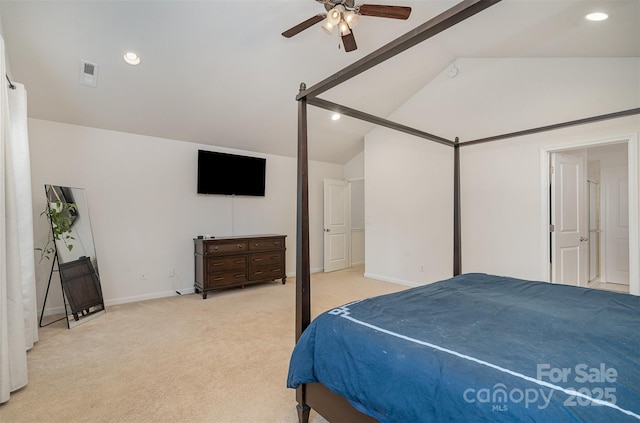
x=60, y=216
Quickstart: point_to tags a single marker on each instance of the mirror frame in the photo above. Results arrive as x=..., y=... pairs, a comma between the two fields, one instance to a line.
x=67, y=212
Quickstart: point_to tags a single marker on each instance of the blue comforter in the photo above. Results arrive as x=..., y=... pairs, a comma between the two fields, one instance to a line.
x=480, y=347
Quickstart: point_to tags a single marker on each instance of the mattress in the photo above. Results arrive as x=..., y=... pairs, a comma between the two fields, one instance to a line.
x=480, y=347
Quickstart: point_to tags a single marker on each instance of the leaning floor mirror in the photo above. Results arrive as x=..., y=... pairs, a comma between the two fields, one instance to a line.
x=73, y=255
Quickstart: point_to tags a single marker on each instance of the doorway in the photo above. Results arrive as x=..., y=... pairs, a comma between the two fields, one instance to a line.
x=568, y=214
x=343, y=224
x=337, y=225
x=592, y=209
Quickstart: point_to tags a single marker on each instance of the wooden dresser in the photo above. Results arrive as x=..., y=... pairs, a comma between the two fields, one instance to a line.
x=238, y=261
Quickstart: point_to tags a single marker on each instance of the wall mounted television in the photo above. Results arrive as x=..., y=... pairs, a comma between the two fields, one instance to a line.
x=230, y=174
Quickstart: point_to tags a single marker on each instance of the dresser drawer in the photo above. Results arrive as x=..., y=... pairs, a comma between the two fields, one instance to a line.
x=265, y=259
x=215, y=280
x=263, y=244
x=265, y=272
x=213, y=248
x=224, y=263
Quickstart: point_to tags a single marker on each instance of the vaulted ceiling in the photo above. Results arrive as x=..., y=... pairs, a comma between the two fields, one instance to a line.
x=220, y=72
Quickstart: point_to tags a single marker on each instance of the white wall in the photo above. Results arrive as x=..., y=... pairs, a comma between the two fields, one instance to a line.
x=354, y=168
x=145, y=211
x=614, y=155
x=503, y=206
x=408, y=208
x=500, y=181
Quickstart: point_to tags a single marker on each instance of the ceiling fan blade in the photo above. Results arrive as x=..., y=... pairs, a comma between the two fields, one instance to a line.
x=304, y=25
x=395, y=12
x=349, y=42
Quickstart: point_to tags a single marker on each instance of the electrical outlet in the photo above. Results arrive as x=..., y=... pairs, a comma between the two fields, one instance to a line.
x=171, y=272
x=422, y=267
x=143, y=276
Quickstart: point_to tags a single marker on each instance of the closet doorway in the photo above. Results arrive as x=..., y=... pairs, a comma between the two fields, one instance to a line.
x=589, y=209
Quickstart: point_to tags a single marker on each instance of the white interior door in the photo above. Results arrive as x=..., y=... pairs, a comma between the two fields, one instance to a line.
x=337, y=228
x=615, y=183
x=568, y=217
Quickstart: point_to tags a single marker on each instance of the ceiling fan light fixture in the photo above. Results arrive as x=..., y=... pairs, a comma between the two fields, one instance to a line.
x=351, y=18
x=328, y=27
x=344, y=14
x=335, y=15
x=343, y=28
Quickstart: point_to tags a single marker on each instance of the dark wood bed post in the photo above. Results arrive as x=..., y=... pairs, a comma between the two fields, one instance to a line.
x=457, y=234
x=303, y=273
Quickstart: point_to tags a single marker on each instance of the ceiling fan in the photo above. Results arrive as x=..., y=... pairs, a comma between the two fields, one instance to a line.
x=343, y=14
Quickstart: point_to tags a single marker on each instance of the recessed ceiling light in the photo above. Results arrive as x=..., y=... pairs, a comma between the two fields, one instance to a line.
x=131, y=58
x=335, y=116
x=597, y=16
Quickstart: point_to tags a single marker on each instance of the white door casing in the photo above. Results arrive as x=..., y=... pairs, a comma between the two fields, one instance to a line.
x=615, y=186
x=569, y=237
x=631, y=140
x=337, y=224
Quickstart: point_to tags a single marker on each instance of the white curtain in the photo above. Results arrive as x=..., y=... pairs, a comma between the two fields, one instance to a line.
x=18, y=309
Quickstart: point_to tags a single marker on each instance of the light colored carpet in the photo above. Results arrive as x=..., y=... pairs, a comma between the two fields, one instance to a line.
x=179, y=359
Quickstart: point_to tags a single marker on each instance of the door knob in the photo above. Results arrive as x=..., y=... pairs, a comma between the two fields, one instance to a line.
x=584, y=238
x=327, y=230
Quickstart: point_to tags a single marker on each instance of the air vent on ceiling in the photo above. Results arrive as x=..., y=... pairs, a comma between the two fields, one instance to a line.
x=88, y=73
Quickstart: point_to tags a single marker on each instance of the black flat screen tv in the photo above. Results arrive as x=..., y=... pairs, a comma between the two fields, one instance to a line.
x=230, y=174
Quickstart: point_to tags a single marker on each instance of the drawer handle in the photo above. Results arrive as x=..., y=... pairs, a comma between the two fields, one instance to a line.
x=258, y=273
x=257, y=259
x=239, y=245
x=218, y=264
x=215, y=248
x=239, y=261
x=257, y=245
x=276, y=243
x=275, y=257
x=239, y=275
x=218, y=279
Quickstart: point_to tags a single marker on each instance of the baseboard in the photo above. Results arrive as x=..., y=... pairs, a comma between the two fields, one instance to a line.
x=183, y=291
x=392, y=280
x=153, y=296
x=164, y=294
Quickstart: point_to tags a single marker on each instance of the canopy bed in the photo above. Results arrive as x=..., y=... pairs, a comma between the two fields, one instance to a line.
x=452, y=355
